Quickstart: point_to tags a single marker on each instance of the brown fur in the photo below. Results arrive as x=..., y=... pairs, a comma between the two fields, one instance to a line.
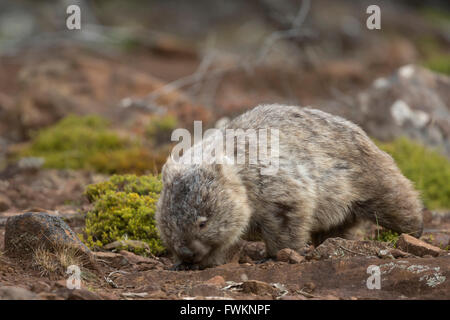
x=330, y=176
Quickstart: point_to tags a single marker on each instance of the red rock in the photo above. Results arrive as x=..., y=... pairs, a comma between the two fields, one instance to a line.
x=258, y=288
x=300, y=297
x=32, y=230
x=136, y=259
x=111, y=258
x=16, y=293
x=289, y=255
x=417, y=247
x=216, y=281
x=5, y=203
x=254, y=250
x=83, y=294
x=205, y=290
x=397, y=253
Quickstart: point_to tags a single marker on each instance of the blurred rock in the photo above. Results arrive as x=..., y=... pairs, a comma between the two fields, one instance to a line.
x=256, y=251
x=414, y=102
x=216, y=281
x=5, y=203
x=16, y=293
x=290, y=256
x=258, y=287
x=127, y=244
x=342, y=248
x=417, y=247
x=32, y=230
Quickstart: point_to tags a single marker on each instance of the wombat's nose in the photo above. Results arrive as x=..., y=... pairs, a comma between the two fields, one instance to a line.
x=186, y=254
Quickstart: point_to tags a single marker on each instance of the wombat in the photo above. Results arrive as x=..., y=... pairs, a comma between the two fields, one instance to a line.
x=330, y=176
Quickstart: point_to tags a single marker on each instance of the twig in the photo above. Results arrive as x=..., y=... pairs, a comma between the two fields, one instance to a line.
x=354, y=252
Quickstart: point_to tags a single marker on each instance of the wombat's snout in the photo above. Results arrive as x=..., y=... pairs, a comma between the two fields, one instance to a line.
x=186, y=254
x=193, y=253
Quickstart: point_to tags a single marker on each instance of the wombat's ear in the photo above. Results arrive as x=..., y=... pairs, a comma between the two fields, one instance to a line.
x=170, y=170
x=225, y=170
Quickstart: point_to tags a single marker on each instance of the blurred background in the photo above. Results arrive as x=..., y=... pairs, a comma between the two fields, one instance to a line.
x=79, y=105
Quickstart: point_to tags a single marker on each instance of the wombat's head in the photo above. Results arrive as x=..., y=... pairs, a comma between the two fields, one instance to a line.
x=202, y=211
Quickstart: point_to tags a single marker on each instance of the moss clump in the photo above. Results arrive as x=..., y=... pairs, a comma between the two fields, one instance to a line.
x=438, y=63
x=435, y=55
x=429, y=170
x=124, y=208
x=73, y=141
x=138, y=160
x=88, y=143
x=160, y=129
x=385, y=235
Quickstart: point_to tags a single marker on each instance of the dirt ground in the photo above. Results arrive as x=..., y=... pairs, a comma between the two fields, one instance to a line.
x=124, y=275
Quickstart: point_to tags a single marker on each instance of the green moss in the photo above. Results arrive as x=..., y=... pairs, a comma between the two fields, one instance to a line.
x=439, y=63
x=160, y=128
x=429, y=170
x=72, y=142
x=440, y=18
x=386, y=236
x=88, y=143
x=124, y=208
x=435, y=55
x=138, y=160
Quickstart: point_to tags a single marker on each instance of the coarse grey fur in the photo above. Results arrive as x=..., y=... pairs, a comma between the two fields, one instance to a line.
x=330, y=176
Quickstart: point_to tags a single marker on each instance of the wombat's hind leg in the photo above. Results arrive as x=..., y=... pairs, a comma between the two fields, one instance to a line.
x=398, y=209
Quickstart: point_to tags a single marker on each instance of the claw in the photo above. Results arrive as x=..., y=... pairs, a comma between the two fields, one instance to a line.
x=184, y=267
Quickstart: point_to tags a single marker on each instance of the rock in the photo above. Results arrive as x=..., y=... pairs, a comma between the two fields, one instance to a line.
x=32, y=230
x=130, y=245
x=342, y=248
x=111, y=258
x=83, y=294
x=16, y=293
x=74, y=294
x=412, y=102
x=417, y=247
x=397, y=253
x=309, y=287
x=5, y=203
x=217, y=281
x=289, y=255
x=136, y=259
x=205, y=290
x=256, y=251
x=300, y=297
x=258, y=287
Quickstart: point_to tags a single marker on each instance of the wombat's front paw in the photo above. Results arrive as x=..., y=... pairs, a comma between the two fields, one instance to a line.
x=184, y=267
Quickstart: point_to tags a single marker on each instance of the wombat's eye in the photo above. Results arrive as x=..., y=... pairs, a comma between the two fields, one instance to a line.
x=201, y=222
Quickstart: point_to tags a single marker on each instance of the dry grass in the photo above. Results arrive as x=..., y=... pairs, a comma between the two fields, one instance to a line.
x=56, y=261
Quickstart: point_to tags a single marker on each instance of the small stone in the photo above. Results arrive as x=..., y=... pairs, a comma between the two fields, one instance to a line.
x=254, y=250
x=289, y=255
x=137, y=259
x=309, y=287
x=299, y=297
x=258, y=288
x=396, y=253
x=5, y=203
x=216, y=281
x=83, y=294
x=26, y=232
x=130, y=245
x=417, y=247
x=205, y=290
x=16, y=293
x=111, y=258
